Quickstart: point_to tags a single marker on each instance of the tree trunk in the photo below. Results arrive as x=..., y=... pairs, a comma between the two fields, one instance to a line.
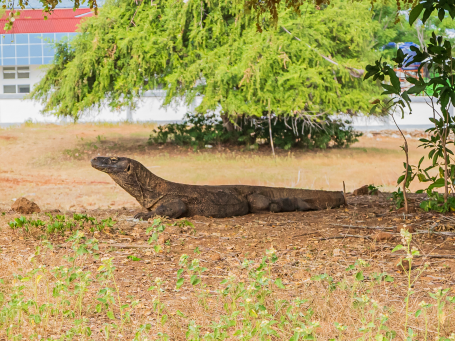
x=446, y=157
x=227, y=123
x=406, y=151
x=270, y=133
x=405, y=197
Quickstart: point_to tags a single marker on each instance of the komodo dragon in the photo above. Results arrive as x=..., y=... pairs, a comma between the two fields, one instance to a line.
x=174, y=200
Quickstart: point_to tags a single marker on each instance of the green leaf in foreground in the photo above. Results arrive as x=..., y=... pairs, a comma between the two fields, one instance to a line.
x=195, y=280
x=279, y=284
x=179, y=283
x=359, y=276
x=397, y=248
x=415, y=13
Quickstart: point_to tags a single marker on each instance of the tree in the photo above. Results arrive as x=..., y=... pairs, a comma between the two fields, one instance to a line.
x=303, y=66
x=265, y=11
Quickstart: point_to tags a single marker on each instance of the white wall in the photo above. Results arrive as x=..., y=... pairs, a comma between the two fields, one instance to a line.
x=421, y=112
x=13, y=110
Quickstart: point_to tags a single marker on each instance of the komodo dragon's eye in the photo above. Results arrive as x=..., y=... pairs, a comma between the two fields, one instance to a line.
x=115, y=159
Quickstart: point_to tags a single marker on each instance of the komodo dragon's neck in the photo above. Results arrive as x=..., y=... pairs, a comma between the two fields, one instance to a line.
x=140, y=183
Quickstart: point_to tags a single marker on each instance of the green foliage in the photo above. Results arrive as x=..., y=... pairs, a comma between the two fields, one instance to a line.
x=373, y=190
x=398, y=198
x=437, y=57
x=199, y=131
x=436, y=203
x=60, y=224
x=218, y=55
x=394, y=27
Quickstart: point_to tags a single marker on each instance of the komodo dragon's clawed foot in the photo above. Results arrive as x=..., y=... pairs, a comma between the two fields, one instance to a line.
x=144, y=215
x=171, y=209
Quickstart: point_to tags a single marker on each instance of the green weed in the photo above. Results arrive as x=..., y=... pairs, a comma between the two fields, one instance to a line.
x=60, y=224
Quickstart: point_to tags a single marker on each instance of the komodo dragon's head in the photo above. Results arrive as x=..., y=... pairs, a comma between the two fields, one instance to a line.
x=112, y=165
x=125, y=172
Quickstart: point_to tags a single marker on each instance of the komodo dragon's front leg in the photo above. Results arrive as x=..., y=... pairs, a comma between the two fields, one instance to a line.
x=173, y=208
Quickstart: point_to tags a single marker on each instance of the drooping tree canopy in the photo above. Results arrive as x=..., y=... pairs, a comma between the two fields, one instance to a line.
x=265, y=10
x=307, y=63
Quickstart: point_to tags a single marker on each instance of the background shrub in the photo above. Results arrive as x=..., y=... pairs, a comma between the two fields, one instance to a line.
x=199, y=131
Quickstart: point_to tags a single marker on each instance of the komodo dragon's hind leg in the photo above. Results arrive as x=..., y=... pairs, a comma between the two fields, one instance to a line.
x=257, y=203
x=171, y=208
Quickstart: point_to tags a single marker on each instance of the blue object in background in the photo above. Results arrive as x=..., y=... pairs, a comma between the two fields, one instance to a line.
x=406, y=48
x=389, y=46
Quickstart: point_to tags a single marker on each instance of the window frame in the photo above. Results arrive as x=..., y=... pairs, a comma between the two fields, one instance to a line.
x=12, y=71
x=23, y=70
x=19, y=85
x=10, y=85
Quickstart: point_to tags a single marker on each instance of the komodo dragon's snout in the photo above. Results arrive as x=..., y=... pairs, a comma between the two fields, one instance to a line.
x=111, y=164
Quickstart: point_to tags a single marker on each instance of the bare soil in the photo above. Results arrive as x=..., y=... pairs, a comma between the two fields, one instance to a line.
x=307, y=244
x=49, y=165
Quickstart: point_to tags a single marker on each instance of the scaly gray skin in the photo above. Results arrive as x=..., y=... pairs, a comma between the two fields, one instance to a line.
x=166, y=198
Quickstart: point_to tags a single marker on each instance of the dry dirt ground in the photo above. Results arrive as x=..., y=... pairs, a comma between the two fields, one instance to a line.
x=307, y=244
x=49, y=165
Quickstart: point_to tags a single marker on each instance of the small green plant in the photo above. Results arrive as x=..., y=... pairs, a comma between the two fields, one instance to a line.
x=437, y=58
x=109, y=298
x=60, y=224
x=406, y=265
x=373, y=190
x=398, y=198
x=156, y=229
x=25, y=224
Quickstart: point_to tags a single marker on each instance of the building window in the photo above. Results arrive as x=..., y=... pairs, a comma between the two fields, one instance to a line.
x=9, y=89
x=30, y=49
x=23, y=72
x=9, y=73
x=23, y=89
